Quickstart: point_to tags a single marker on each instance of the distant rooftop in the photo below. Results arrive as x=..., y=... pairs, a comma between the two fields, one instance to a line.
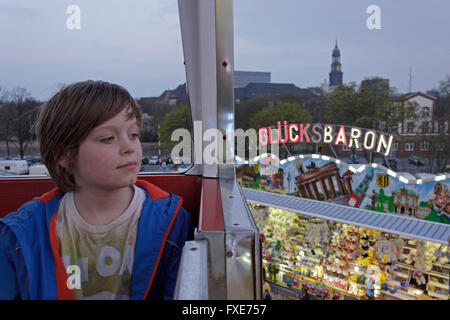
x=253, y=90
x=243, y=78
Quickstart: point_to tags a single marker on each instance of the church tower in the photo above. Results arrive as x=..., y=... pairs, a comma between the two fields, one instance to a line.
x=336, y=74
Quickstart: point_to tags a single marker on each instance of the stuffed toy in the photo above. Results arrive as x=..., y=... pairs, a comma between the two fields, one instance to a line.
x=420, y=261
x=389, y=272
x=419, y=277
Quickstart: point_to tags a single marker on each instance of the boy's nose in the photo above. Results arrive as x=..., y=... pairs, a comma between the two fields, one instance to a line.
x=127, y=146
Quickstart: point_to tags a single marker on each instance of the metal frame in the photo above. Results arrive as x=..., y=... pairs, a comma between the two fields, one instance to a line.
x=193, y=285
x=232, y=255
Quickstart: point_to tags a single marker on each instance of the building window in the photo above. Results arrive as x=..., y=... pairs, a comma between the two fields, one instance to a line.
x=424, y=145
x=426, y=112
x=410, y=127
x=345, y=148
x=394, y=128
x=395, y=146
x=440, y=146
x=409, y=146
x=425, y=127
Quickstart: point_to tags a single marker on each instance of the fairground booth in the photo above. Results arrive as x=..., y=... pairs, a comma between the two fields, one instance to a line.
x=330, y=230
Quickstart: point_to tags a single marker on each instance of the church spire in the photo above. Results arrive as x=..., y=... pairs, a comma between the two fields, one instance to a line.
x=336, y=74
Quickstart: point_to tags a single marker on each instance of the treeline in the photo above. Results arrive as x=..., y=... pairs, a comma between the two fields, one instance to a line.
x=18, y=113
x=374, y=106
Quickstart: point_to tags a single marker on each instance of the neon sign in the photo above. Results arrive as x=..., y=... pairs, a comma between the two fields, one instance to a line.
x=370, y=140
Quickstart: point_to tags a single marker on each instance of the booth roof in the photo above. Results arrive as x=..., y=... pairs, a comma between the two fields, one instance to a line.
x=385, y=222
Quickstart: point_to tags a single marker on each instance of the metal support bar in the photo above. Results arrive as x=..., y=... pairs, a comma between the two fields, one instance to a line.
x=243, y=247
x=234, y=258
x=216, y=271
x=192, y=281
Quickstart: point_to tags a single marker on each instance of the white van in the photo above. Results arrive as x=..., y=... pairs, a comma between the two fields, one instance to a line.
x=14, y=166
x=39, y=169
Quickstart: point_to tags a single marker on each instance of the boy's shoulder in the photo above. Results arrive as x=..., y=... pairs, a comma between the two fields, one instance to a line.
x=25, y=212
x=34, y=211
x=154, y=192
x=165, y=210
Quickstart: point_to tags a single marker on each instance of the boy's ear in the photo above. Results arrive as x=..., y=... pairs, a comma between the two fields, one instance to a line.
x=63, y=161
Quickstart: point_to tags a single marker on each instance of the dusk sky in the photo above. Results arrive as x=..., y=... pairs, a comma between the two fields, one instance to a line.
x=137, y=43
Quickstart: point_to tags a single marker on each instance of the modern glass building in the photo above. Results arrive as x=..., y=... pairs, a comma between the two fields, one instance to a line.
x=242, y=78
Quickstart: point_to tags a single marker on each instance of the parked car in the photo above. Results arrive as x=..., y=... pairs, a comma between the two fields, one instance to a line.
x=416, y=160
x=144, y=161
x=14, y=166
x=153, y=160
x=34, y=160
x=179, y=160
x=38, y=169
x=164, y=160
x=5, y=173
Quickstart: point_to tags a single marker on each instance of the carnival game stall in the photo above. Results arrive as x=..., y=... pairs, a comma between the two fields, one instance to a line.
x=336, y=260
x=331, y=256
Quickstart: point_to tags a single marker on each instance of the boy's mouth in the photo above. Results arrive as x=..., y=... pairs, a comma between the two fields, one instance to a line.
x=130, y=164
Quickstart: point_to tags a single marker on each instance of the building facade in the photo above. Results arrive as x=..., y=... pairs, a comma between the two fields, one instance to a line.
x=427, y=133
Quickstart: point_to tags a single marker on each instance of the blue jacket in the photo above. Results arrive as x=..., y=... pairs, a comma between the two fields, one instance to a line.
x=31, y=268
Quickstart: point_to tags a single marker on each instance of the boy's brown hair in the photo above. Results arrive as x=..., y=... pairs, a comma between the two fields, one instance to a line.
x=70, y=115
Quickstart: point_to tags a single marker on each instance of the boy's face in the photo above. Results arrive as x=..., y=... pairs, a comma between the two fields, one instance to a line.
x=110, y=156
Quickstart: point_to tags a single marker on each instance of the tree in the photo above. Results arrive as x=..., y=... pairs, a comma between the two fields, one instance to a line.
x=246, y=109
x=342, y=105
x=437, y=155
x=157, y=111
x=289, y=111
x=443, y=101
x=444, y=86
x=178, y=118
x=364, y=122
x=373, y=106
x=17, y=116
x=5, y=130
x=316, y=107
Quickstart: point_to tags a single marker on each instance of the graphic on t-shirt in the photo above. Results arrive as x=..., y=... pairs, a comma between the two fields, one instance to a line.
x=104, y=254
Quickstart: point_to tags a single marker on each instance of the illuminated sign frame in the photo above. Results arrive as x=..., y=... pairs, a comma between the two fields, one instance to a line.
x=369, y=139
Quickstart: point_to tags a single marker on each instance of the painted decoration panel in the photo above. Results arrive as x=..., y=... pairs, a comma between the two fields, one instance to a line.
x=368, y=187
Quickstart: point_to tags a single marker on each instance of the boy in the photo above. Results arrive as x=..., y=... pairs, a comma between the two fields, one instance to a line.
x=102, y=233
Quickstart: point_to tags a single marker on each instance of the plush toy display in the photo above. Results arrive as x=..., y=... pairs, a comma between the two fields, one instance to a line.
x=343, y=256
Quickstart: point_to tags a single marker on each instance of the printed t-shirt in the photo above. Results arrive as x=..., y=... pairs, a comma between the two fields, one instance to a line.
x=103, y=253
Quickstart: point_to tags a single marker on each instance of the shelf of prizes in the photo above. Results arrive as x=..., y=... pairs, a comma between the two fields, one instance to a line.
x=332, y=260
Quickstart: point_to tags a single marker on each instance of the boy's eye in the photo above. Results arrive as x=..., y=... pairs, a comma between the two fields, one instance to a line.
x=109, y=139
x=135, y=135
